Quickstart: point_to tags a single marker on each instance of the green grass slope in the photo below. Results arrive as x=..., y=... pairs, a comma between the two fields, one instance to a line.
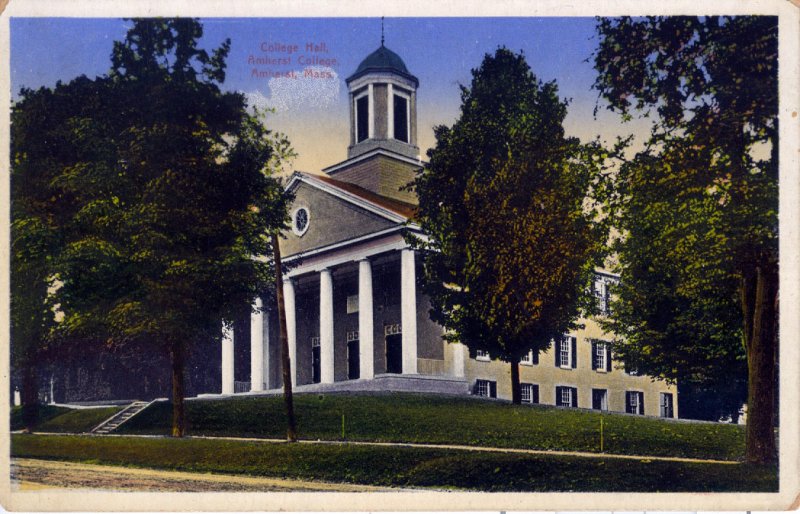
x=63, y=419
x=448, y=420
x=400, y=466
x=45, y=412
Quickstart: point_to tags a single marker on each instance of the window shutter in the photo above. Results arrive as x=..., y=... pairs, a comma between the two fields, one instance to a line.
x=574, y=396
x=641, y=403
x=574, y=351
x=492, y=389
x=608, y=357
x=558, y=396
x=628, y=402
x=557, y=347
x=536, y=357
x=594, y=355
x=535, y=394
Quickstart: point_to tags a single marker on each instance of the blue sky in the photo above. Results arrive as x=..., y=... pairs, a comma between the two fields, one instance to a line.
x=313, y=112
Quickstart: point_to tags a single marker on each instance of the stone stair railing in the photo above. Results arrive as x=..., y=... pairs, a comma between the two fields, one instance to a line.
x=112, y=423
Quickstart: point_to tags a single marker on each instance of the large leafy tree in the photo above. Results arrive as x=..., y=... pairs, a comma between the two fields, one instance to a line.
x=512, y=244
x=697, y=208
x=41, y=145
x=168, y=199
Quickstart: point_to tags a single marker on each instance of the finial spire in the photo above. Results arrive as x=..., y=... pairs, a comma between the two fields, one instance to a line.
x=381, y=30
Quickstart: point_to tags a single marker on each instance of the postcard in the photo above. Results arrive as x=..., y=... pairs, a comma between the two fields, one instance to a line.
x=369, y=256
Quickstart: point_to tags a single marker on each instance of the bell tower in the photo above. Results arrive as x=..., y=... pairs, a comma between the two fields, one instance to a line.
x=383, y=156
x=383, y=106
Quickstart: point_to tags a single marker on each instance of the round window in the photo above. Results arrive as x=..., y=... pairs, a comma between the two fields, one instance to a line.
x=300, y=221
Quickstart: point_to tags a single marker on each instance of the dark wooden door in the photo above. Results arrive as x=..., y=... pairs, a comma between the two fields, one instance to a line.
x=394, y=353
x=315, y=367
x=353, y=361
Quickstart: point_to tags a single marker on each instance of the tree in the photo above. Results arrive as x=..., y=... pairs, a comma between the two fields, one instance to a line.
x=286, y=363
x=697, y=208
x=40, y=144
x=170, y=199
x=512, y=243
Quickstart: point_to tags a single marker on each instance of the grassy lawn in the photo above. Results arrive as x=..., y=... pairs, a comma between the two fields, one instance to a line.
x=62, y=419
x=45, y=412
x=398, y=466
x=448, y=420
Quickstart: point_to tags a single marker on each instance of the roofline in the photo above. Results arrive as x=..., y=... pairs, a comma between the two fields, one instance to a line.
x=382, y=69
x=388, y=153
x=347, y=196
x=412, y=227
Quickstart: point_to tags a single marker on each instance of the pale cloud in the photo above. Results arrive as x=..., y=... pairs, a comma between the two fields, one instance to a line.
x=312, y=88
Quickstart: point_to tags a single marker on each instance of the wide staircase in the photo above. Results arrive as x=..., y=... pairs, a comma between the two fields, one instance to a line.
x=112, y=423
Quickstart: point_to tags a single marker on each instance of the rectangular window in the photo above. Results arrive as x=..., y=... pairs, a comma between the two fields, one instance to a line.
x=566, y=396
x=486, y=388
x=528, y=359
x=634, y=402
x=529, y=393
x=601, y=293
x=401, y=118
x=482, y=355
x=666, y=406
x=362, y=117
x=352, y=304
x=600, y=356
x=391, y=330
x=567, y=352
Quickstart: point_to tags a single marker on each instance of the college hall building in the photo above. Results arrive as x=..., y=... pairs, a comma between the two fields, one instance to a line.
x=355, y=318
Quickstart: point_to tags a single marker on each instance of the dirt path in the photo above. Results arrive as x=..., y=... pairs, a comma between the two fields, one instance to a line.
x=34, y=474
x=492, y=449
x=462, y=447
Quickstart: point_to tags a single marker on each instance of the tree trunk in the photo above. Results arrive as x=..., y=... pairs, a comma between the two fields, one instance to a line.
x=516, y=394
x=178, y=393
x=759, y=305
x=30, y=397
x=286, y=364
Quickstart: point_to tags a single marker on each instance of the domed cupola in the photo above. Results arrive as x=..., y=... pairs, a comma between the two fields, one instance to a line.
x=383, y=105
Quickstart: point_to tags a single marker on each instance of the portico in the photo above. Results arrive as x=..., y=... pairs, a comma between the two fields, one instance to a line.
x=339, y=327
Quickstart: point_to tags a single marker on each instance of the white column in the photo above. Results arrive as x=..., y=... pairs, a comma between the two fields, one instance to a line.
x=366, y=351
x=371, y=103
x=291, y=325
x=227, y=359
x=326, y=350
x=257, y=347
x=458, y=359
x=408, y=310
x=390, y=118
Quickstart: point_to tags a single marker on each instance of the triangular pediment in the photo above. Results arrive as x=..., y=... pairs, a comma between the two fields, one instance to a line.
x=336, y=215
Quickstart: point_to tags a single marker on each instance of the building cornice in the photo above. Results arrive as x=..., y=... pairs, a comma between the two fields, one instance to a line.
x=330, y=170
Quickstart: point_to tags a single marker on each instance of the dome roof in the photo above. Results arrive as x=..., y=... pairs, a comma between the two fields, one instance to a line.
x=383, y=60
